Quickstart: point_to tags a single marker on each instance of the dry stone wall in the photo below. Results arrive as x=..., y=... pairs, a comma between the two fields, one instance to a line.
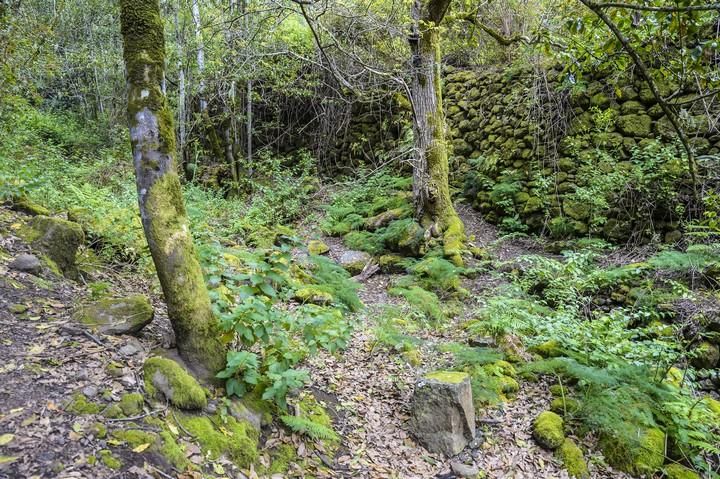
x=532, y=148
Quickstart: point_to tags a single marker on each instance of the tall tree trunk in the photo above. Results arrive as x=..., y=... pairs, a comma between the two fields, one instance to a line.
x=161, y=203
x=431, y=193
x=200, y=45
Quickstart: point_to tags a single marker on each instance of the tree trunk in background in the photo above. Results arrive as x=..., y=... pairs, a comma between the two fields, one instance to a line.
x=200, y=55
x=161, y=203
x=431, y=193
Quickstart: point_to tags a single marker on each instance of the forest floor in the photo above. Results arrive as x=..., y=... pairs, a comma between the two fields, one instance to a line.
x=46, y=359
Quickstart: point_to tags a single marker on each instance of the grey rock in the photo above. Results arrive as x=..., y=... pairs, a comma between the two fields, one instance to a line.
x=118, y=315
x=59, y=240
x=354, y=261
x=443, y=416
x=463, y=470
x=28, y=263
x=90, y=391
x=242, y=412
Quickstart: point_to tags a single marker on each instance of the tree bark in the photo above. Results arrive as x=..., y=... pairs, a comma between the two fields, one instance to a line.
x=162, y=209
x=200, y=45
x=431, y=194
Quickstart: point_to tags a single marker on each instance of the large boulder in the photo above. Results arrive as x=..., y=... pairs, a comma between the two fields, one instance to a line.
x=354, y=261
x=58, y=239
x=443, y=415
x=640, y=453
x=118, y=315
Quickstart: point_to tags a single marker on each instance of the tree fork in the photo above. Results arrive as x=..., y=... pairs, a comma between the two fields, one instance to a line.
x=162, y=209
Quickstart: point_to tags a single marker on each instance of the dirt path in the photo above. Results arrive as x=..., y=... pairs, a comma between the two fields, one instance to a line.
x=373, y=387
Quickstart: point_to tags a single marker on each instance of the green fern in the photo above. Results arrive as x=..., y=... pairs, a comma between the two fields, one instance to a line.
x=310, y=428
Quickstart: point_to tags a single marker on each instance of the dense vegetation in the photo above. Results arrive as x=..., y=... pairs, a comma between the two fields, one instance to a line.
x=525, y=192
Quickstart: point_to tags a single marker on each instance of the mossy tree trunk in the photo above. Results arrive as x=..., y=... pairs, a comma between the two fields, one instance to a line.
x=431, y=193
x=161, y=203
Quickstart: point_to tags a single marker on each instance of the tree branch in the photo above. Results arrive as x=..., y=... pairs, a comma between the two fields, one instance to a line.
x=647, y=8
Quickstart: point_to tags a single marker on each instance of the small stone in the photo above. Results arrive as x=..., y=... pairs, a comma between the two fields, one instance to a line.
x=90, y=391
x=482, y=342
x=463, y=470
x=443, y=415
x=118, y=316
x=25, y=262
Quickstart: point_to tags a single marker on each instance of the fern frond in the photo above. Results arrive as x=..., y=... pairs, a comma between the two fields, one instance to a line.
x=310, y=428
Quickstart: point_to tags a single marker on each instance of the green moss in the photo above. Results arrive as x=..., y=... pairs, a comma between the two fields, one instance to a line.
x=99, y=430
x=313, y=295
x=557, y=390
x=113, y=412
x=562, y=405
x=451, y=377
x=26, y=205
x=131, y=404
x=172, y=451
x=391, y=263
x=318, y=247
x=109, y=460
x=79, y=405
x=310, y=408
x=165, y=376
x=678, y=471
x=238, y=440
x=454, y=239
x=641, y=453
x=548, y=349
x=573, y=460
x=57, y=239
x=548, y=430
x=282, y=458
x=404, y=236
x=134, y=437
x=508, y=385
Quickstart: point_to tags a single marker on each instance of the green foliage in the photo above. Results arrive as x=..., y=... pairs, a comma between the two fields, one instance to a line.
x=423, y=301
x=314, y=430
x=248, y=289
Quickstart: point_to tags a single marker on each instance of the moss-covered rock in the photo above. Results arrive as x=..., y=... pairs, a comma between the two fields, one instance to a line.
x=635, y=125
x=58, y=239
x=127, y=315
x=548, y=430
x=391, y=263
x=134, y=437
x=131, y=404
x=640, y=453
x=318, y=247
x=573, y=459
x=27, y=206
x=165, y=376
x=223, y=435
x=706, y=355
x=678, y=471
x=314, y=295
x=79, y=405
x=354, y=261
x=548, y=349
x=385, y=218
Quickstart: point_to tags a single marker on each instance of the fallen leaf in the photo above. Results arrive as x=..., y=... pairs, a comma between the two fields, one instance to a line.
x=6, y=438
x=141, y=447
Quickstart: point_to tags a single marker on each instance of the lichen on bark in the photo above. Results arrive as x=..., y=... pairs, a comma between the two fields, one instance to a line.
x=162, y=209
x=431, y=194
